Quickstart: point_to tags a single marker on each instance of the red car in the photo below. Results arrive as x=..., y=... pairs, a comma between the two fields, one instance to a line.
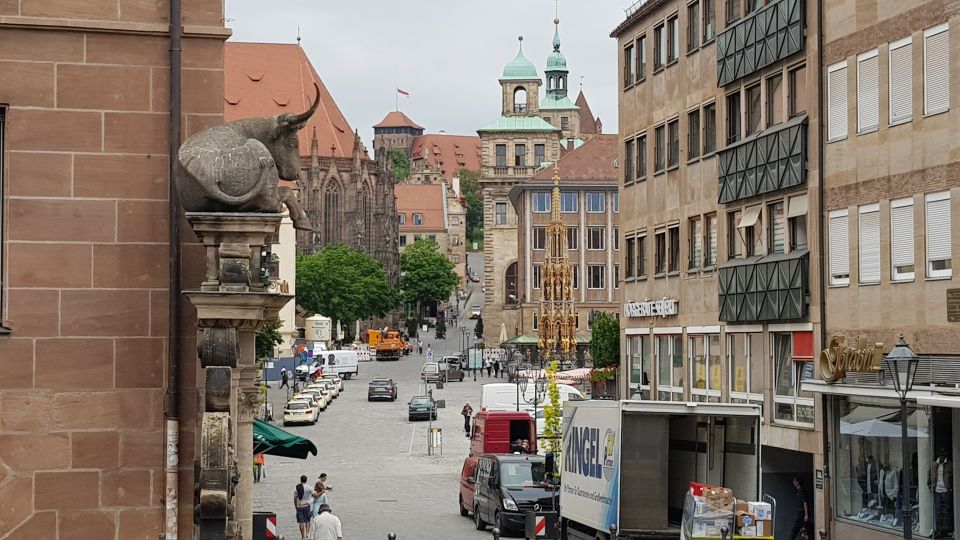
x=468, y=480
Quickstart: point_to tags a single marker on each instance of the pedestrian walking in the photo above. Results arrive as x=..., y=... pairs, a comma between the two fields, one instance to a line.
x=802, y=521
x=302, y=497
x=489, y=365
x=326, y=526
x=467, y=412
x=319, y=498
x=284, y=378
x=419, y=346
x=496, y=368
x=257, y=468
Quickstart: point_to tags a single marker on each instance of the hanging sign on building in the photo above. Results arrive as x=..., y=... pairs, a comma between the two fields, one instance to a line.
x=651, y=308
x=837, y=360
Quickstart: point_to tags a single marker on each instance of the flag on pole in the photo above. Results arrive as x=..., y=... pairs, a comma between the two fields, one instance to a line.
x=403, y=92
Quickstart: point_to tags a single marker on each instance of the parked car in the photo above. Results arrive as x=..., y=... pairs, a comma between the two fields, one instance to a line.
x=421, y=407
x=506, y=487
x=303, y=371
x=330, y=386
x=430, y=372
x=382, y=389
x=475, y=312
x=299, y=411
x=324, y=394
x=468, y=480
x=474, y=278
x=452, y=367
x=319, y=400
x=336, y=380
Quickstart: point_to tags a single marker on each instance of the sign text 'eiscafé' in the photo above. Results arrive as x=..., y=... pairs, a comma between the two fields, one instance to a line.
x=837, y=359
x=651, y=308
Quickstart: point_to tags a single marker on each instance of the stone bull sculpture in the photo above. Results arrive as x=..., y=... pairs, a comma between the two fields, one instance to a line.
x=237, y=167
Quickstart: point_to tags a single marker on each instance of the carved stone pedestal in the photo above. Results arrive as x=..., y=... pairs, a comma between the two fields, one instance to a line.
x=232, y=303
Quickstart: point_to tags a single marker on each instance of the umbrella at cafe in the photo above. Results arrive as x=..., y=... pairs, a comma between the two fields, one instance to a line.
x=269, y=439
x=503, y=333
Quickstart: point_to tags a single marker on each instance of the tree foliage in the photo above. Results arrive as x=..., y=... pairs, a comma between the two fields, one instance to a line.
x=401, y=163
x=441, y=329
x=426, y=275
x=268, y=336
x=553, y=411
x=478, y=330
x=605, y=340
x=470, y=187
x=343, y=284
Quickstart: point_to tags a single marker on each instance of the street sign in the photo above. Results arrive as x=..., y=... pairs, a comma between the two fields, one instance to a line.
x=819, y=479
x=429, y=354
x=540, y=528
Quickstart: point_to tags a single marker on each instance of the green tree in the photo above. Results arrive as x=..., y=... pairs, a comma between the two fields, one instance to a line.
x=343, y=284
x=441, y=329
x=426, y=275
x=478, y=330
x=401, y=163
x=470, y=187
x=605, y=340
x=267, y=337
x=553, y=412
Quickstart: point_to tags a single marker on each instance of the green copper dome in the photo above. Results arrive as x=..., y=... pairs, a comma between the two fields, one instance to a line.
x=556, y=61
x=520, y=69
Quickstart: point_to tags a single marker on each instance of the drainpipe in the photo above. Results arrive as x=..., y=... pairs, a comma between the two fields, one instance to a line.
x=172, y=398
x=826, y=410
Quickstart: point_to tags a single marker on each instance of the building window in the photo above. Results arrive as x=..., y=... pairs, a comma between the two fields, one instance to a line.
x=837, y=101
x=660, y=254
x=869, y=248
x=402, y=218
x=539, y=238
x=776, y=228
x=746, y=360
x=641, y=256
x=673, y=52
x=575, y=276
x=751, y=6
x=733, y=118
x=674, y=237
x=564, y=123
x=641, y=157
x=752, y=241
x=418, y=219
x=901, y=239
x=596, y=202
x=753, y=109
x=403, y=240
x=791, y=404
x=638, y=351
x=616, y=276
x=500, y=213
x=536, y=321
x=797, y=85
x=936, y=69
x=797, y=222
x=695, y=242
x=537, y=276
x=629, y=161
x=868, y=91
x=670, y=367
x=938, y=235
x=642, y=58
x=573, y=238
x=901, y=81
x=709, y=21
x=595, y=236
x=659, y=47
x=501, y=155
x=732, y=11
x=541, y=202
x=839, y=243
x=629, y=73
x=710, y=242
x=616, y=238
x=538, y=155
x=673, y=133
x=659, y=149
x=704, y=351
x=630, y=259
x=693, y=134
x=709, y=128
x=774, y=100
x=595, y=277
x=734, y=246
x=520, y=159
x=693, y=30
x=616, y=201
x=568, y=202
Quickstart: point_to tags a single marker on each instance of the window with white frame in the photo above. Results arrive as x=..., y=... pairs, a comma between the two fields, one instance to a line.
x=638, y=351
x=403, y=218
x=839, y=244
x=790, y=403
x=541, y=202
x=901, y=81
x=938, y=235
x=869, y=251
x=573, y=238
x=695, y=242
x=595, y=276
x=868, y=91
x=745, y=360
x=837, y=101
x=670, y=367
x=568, y=202
x=417, y=219
x=705, y=369
x=901, y=240
x=596, y=202
x=500, y=213
x=537, y=276
x=595, y=238
x=539, y=237
x=936, y=69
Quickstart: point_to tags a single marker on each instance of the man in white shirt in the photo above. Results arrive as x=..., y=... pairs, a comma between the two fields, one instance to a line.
x=326, y=526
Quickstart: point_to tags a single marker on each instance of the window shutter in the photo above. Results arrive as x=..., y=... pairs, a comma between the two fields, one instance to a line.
x=938, y=227
x=901, y=233
x=901, y=81
x=837, y=98
x=839, y=248
x=870, y=243
x=868, y=92
x=936, y=69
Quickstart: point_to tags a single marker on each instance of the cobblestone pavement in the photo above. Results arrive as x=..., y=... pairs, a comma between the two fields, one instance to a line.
x=383, y=480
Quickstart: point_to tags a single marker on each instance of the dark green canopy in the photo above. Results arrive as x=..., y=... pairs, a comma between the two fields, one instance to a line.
x=269, y=439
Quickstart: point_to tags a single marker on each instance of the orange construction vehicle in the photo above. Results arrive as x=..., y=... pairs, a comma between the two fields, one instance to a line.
x=388, y=347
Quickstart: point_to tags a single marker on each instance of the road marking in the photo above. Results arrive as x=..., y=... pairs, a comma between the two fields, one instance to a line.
x=412, y=433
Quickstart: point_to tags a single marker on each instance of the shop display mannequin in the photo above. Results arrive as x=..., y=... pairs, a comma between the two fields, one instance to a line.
x=940, y=480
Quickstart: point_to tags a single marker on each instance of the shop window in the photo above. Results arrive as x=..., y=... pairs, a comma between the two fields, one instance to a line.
x=638, y=350
x=705, y=376
x=500, y=213
x=541, y=202
x=674, y=261
x=745, y=358
x=595, y=238
x=641, y=256
x=790, y=403
x=573, y=239
x=539, y=238
x=670, y=368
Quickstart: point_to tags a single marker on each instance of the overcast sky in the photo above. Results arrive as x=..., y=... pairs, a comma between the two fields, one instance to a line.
x=447, y=53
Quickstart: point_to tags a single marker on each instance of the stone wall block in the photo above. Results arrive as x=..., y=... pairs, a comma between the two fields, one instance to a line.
x=53, y=130
x=16, y=364
x=61, y=220
x=33, y=451
x=103, y=87
x=32, y=313
x=95, y=449
x=58, y=367
x=140, y=362
x=135, y=133
x=67, y=490
x=124, y=266
x=121, y=176
x=28, y=84
x=105, y=313
x=32, y=265
x=86, y=525
x=39, y=174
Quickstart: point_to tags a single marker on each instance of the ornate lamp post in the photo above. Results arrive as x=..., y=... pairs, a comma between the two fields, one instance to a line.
x=902, y=364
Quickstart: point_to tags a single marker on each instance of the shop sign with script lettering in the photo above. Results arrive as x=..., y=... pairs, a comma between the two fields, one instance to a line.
x=651, y=308
x=837, y=360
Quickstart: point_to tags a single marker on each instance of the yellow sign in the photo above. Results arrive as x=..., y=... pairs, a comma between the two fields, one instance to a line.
x=739, y=380
x=715, y=377
x=837, y=360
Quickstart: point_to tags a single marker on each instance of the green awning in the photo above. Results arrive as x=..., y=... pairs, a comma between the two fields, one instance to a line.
x=269, y=439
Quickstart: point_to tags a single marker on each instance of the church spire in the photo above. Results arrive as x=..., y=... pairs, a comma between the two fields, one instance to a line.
x=557, y=335
x=556, y=71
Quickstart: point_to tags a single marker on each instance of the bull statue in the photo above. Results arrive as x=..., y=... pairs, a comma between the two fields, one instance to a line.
x=237, y=167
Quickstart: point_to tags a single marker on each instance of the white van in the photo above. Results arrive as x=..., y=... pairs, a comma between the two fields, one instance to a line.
x=503, y=396
x=343, y=363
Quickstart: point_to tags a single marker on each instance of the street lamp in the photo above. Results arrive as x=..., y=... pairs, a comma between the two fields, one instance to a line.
x=902, y=364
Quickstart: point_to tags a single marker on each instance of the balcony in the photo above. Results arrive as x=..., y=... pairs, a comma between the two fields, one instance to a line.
x=764, y=38
x=510, y=171
x=774, y=159
x=765, y=289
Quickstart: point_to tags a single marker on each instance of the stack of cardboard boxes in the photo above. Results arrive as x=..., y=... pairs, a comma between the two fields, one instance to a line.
x=754, y=519
x=710, y=509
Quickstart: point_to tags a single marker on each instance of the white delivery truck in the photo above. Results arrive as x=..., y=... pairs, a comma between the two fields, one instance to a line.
x=343, y=363
x=629, y=464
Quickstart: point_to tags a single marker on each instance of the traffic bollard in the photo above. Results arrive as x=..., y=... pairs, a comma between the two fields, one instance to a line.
x=724, y=532
x=496, y=533
x=391, y=536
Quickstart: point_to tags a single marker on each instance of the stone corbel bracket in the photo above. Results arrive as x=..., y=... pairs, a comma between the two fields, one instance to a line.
x=233, y=241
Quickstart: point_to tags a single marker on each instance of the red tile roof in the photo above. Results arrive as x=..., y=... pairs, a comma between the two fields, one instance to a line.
x=266, y=79
x=397, y=119
x=588, y=122
x=450, y=152
x=592, y=162
x=426, y=199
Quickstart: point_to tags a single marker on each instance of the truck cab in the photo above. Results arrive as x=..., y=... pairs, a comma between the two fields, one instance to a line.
x=506, y=487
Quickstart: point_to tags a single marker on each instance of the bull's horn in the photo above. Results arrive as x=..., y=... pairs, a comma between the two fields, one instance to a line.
x=302, y=118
